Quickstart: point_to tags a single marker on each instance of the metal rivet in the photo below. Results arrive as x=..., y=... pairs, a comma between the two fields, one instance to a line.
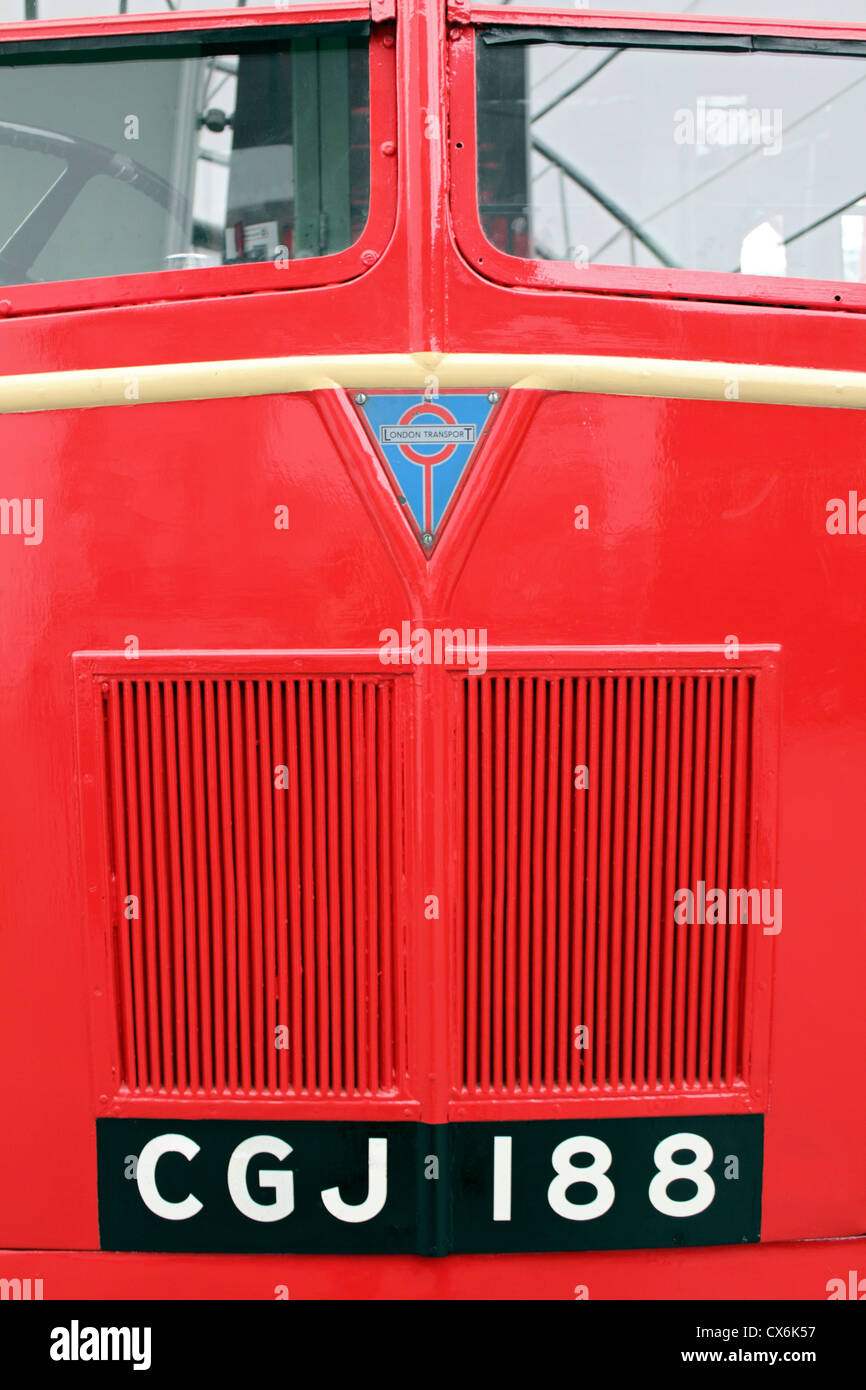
x=427, y=538
x=369, y=257
x=493, y=397
x=360, y=398
x=388, y=147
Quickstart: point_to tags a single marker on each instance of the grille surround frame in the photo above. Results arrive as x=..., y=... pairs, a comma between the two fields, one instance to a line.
x=96, y=675
x=749, y=1092
x=427, y=698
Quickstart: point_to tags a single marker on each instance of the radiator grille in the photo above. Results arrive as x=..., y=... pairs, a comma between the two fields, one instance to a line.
x=255, y=826
x=567, y=909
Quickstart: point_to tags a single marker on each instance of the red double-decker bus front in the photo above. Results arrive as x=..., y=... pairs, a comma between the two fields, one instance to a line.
x=432, y=541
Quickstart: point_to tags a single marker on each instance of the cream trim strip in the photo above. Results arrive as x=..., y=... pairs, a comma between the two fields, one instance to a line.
x=617, y=376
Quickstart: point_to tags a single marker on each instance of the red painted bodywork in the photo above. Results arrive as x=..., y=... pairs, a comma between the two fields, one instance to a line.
x=708, y=520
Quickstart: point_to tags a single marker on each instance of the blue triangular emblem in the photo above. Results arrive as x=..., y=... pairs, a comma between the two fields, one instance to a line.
x=427, y=444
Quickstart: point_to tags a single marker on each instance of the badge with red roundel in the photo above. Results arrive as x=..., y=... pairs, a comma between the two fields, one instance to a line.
x=427, y=445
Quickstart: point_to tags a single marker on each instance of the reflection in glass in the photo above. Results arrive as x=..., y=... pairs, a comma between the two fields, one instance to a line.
x=126, y=164
x=723, y=161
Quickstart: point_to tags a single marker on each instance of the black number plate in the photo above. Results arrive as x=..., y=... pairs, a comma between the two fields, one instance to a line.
x=358, y=1187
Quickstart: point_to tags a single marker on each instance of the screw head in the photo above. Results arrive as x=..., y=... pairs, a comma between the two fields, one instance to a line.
x=427, y=538
x=360, y=398
x=493, y=397
x=369, y=257
x=388, y=147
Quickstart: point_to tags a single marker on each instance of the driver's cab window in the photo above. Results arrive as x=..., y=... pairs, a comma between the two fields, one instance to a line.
x=113, y=165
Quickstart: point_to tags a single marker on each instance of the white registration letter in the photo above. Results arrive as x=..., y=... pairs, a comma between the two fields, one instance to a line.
x=281, y=1182
x=377, y=1188
x=145, y=1175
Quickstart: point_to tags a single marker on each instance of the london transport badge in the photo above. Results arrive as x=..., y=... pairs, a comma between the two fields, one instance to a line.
x=427, y=443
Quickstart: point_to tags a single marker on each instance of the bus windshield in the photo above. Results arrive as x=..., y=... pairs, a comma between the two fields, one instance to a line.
x=122, y=164
x=652, y=156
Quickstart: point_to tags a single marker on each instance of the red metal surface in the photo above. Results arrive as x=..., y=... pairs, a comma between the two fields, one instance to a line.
x=465, y=12
x=796, y=1271
x=706, y=520
x=258, y=16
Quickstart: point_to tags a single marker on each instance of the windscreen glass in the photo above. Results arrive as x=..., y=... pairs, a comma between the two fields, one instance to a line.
x=654, y=157
x=127, y=164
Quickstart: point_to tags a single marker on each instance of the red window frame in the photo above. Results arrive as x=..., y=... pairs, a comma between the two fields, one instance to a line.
x=215, y=281
x=646, y=282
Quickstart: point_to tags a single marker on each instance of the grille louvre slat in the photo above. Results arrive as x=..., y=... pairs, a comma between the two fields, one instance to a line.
x=568, y=895
x=265, y=901
x=118, y=869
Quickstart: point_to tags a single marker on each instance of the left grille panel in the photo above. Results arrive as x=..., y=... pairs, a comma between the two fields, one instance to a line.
x=254, y=833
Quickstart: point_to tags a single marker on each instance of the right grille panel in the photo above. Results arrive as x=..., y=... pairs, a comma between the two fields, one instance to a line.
x=572, y=975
